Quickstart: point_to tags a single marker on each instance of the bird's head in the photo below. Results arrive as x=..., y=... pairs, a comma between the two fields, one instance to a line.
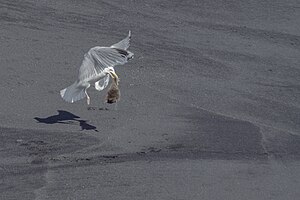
x=113, y=74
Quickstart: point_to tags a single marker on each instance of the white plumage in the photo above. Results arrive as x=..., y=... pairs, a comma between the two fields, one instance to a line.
x=96, y=67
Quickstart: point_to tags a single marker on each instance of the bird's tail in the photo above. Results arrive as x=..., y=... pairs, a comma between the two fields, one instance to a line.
x=73, y=93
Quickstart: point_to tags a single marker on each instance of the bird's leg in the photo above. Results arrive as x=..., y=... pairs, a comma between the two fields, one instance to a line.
x=87, y=98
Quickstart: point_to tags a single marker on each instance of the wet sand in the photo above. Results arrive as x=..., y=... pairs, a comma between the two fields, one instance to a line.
x=210, y=104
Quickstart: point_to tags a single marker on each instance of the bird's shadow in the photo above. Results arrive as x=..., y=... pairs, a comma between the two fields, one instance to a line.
x=65, y=117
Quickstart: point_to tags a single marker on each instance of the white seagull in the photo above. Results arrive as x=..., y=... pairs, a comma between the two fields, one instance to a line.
x=97, y=65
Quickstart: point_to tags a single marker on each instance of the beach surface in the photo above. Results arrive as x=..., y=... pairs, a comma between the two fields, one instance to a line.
x=209, y=109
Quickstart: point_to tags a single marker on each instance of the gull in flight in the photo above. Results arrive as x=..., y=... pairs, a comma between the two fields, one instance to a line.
x=96, y=68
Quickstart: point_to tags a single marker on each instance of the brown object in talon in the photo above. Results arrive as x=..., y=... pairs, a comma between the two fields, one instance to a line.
x=113, y=94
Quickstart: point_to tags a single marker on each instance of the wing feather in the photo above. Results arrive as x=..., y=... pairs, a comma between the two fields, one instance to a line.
x=123, y=44
x=86, y=69
x=99, y=58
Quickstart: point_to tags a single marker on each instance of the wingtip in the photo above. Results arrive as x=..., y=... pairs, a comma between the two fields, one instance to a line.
x=129, y=33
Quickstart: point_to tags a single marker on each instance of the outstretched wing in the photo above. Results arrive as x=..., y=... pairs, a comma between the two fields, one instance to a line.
x=123, y=44
x=99, y=58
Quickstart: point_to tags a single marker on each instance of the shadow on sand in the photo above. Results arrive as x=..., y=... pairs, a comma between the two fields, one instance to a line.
x=65, y=117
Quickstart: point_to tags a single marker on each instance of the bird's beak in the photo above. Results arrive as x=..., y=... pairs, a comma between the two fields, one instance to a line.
x=113, y=75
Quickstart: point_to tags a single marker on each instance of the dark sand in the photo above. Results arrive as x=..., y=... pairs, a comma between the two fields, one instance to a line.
x=210, y=104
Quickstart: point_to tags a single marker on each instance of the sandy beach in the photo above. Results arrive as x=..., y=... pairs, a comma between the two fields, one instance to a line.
x=210, y=105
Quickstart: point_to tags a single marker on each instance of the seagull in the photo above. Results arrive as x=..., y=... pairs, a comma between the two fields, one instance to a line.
x=96, y=68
